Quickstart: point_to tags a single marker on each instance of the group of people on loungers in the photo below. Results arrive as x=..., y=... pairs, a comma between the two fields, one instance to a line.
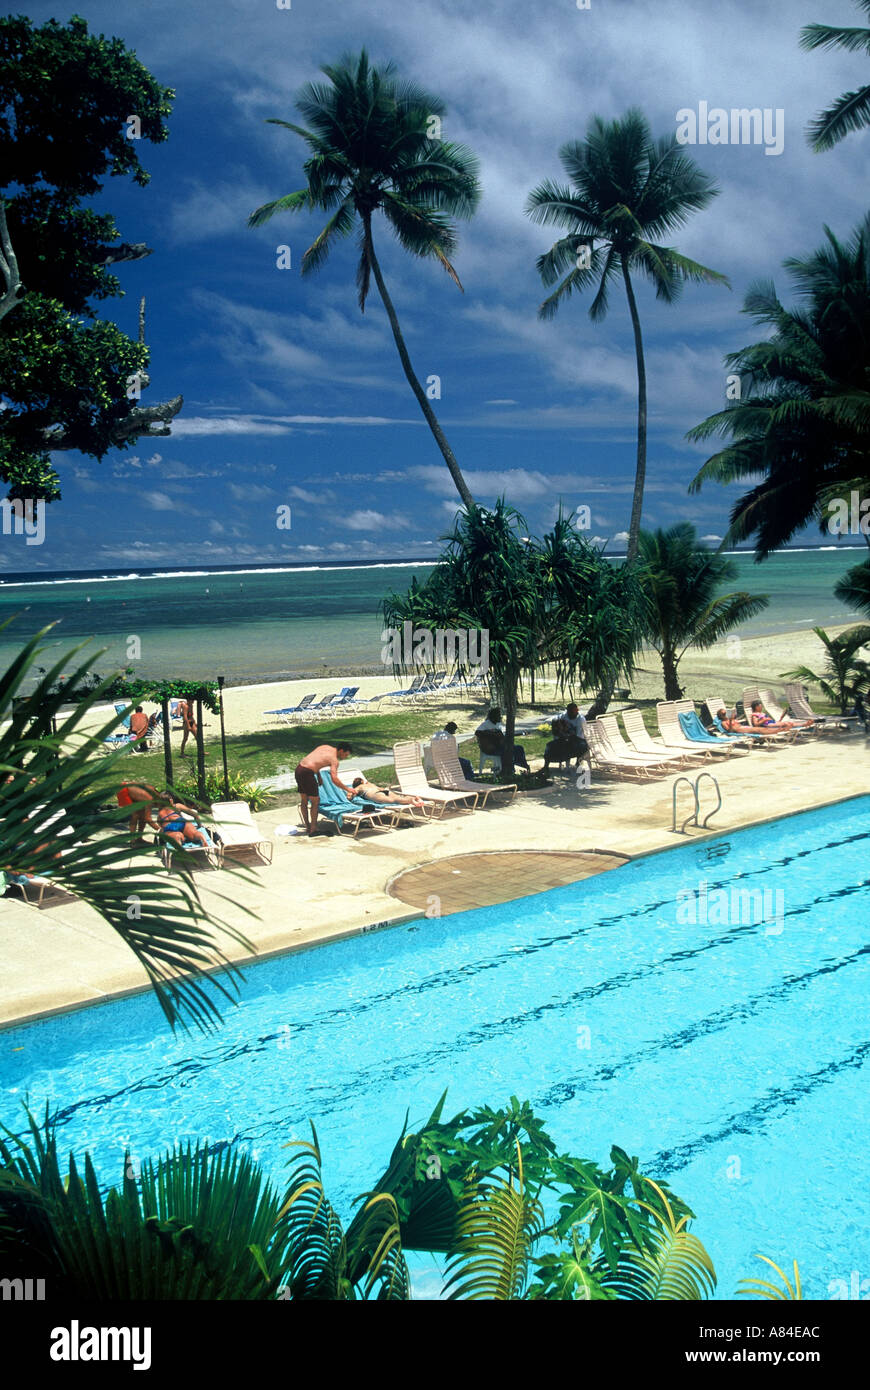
x=759, y=722
x=179, y=823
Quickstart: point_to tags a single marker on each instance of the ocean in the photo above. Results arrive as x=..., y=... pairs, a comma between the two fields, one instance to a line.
x=254, y=625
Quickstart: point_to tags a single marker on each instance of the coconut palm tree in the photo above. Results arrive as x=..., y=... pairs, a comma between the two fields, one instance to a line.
x=375, y=147
x=680, y=579
x=51, y=794
x=802, y=423
x=851, y=111
x=627, y=191
x=845, y=674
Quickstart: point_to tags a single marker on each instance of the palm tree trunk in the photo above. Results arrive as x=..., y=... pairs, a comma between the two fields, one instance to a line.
x=431, y=419
x=605, y=693
x=673, y=689
x=640, y=468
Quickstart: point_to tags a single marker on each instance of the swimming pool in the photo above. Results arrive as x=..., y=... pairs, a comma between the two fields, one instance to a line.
x=719, y=1036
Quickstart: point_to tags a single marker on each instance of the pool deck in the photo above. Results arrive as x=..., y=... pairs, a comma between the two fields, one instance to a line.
x=328, y=887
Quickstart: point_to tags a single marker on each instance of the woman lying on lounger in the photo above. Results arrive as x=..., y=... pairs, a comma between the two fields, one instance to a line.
x=760, y=720
x=372, y=792
x=178, y=824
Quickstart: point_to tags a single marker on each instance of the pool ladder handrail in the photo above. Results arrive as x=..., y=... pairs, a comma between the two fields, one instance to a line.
x=693, y=818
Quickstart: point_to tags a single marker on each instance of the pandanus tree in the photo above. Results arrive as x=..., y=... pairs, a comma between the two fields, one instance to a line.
x=375, y=148
x=851, y=111
x=800, y=431
x=554, y=601
x=681, y=581
x=627, y=191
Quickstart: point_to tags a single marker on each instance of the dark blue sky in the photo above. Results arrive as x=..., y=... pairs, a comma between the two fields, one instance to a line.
x=293, y=398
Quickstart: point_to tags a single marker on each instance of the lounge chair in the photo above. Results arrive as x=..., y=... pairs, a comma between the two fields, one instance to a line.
x=285, y=714
x=695, y=732
x=643, y=742
x=237, y=831
x=755, y=739
x=210, y=851
x=608, y=759
x=673, y=735
x=345, y=696
x=448, y=770
x=417, y=813
x=38, y=890
x=800, y=706
x=658, y=757
x=411, y=776
x=336, y=807
x=323, y=707
x=751, y=694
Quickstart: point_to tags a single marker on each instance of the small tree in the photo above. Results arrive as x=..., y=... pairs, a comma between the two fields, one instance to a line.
x=556, y=601
x=845, y=675
x=680, y=579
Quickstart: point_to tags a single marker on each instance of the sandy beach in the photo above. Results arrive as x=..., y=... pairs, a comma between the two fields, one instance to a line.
x=724, y=669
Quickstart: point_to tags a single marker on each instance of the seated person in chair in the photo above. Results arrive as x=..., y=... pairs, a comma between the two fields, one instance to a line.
x=490, y=739
x=567, y=741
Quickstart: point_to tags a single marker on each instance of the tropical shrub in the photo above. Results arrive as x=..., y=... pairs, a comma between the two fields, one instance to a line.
x=215, y=790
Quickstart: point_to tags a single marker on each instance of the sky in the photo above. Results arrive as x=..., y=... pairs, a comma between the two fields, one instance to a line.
x=293, y=398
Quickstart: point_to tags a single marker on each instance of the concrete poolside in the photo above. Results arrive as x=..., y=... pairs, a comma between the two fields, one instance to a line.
x=328, y=887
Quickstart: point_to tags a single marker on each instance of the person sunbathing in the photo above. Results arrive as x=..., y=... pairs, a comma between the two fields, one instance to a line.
x=759, y=720
x=372, y=792
x=178, y=824
x=734, y=726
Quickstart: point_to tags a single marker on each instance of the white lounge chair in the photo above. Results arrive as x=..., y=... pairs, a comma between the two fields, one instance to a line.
x=673, y=736
x=448, y=770
x=799, y=704
x=643, y=742
x=237, y=831
x=657, y=758
x=608, y=759
x=411, y=776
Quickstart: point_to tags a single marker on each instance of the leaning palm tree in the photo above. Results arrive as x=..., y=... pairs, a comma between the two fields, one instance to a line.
x=802, y=422
x=375, y=147
x=851, y=111
x=680, y=579
x=627, y=191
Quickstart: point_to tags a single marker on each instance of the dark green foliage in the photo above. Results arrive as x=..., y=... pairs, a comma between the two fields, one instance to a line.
x=681, y=580
x=802, y=423
x=65, y=96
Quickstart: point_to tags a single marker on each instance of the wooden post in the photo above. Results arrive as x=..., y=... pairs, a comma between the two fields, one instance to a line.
x=167, y=741
x=200, y=751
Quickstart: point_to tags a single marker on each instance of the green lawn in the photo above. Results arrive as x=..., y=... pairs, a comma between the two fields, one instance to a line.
x=270, y=752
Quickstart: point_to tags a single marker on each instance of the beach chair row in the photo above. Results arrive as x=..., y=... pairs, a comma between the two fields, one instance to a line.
x=682, y=741
x=424, y=689
x=453, y=791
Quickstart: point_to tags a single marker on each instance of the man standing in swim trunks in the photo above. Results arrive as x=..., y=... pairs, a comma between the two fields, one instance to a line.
x=324, y=756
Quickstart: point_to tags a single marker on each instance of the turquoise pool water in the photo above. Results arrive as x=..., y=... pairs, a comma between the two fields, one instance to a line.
x=721, y=1038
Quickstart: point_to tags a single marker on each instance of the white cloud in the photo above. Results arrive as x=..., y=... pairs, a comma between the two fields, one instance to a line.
x=366, y=520
x=160, y=501
x=251, y=492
